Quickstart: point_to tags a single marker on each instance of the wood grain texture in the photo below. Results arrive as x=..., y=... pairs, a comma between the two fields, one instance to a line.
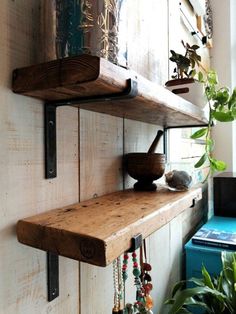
x=147, y=39
x=101, y=149
x=98, y=231
x=88, y=76
x=23, y=189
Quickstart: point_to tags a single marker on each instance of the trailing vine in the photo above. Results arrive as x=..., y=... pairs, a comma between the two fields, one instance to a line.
x=222, y=108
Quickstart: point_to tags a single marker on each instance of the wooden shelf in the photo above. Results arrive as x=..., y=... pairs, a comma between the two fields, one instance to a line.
x=99, y=230
x=91, y=76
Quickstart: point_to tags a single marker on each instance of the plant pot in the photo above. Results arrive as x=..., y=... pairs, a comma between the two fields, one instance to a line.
x=189, y=89
x=145, y=167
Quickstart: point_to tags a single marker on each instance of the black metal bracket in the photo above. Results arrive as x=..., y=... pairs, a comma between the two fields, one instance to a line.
x=52, y=276
x=165, y=135
x=136, y=242
x=131, y=91
x=193, y=203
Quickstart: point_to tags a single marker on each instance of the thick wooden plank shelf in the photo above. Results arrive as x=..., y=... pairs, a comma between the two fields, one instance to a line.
x=99, y=230
x=89, y=76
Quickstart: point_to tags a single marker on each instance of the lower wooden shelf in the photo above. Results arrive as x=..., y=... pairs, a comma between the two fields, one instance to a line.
x=99, y=230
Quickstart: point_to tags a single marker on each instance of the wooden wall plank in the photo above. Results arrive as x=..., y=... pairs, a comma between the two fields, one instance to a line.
x=147, y=38
x=23, y=189
x=101, y=149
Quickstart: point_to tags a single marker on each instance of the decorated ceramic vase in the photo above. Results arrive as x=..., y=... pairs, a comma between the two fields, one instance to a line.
x=74, y=27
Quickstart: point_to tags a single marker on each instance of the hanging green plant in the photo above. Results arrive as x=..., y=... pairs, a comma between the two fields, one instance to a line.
x=222, y=108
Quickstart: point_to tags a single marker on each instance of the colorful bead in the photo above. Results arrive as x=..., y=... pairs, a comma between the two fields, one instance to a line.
x=148, y=302
x=125, y=266
x=126, y=256
x=147, y=267
x=125, y=276
x=134, y=255
x=136, y=272
x=147, y=277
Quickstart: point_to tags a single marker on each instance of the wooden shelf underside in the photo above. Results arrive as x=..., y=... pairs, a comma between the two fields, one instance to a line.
x=99, y=230
x=87, y=75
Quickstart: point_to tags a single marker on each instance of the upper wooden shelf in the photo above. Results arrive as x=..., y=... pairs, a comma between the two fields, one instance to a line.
x=99, y=230
x=91, y=76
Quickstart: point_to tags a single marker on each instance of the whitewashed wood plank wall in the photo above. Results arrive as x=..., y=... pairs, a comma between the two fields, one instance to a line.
x=90, y=149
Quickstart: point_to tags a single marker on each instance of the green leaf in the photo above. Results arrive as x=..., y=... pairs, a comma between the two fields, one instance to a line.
x=222, y=95
x=234, y=112
x=207, y=278
x=200, y=77
x=223, y=116
x=184, y=311
x=232, y=100
x=195, y=47
x=192, y=73
x=219, y=165
x=184, y=295
x=210, y=145
x=197, y=281
x=177, y=287
x=170, y=301
x=199, y=58
x=199, y=133
x=212, y=77
x=201, y=161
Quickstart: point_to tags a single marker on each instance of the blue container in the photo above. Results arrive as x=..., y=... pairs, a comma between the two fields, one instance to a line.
x=210, y=257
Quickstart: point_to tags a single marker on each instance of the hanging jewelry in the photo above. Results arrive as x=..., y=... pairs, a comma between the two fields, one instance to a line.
x=124, y=267
x=142, y=281
x=121, y=286
x=139, y=292
x=118, y=287
x=147, y=281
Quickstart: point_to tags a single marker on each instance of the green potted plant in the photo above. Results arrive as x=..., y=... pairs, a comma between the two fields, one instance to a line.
x=212, y=295
x=222, y=108
x=183, y=82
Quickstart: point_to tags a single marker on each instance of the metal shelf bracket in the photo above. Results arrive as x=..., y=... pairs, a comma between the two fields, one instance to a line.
x=50, y=135
x=136, y=242
x=52, y=276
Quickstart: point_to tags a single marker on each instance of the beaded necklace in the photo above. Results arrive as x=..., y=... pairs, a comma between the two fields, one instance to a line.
x=142, y=281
